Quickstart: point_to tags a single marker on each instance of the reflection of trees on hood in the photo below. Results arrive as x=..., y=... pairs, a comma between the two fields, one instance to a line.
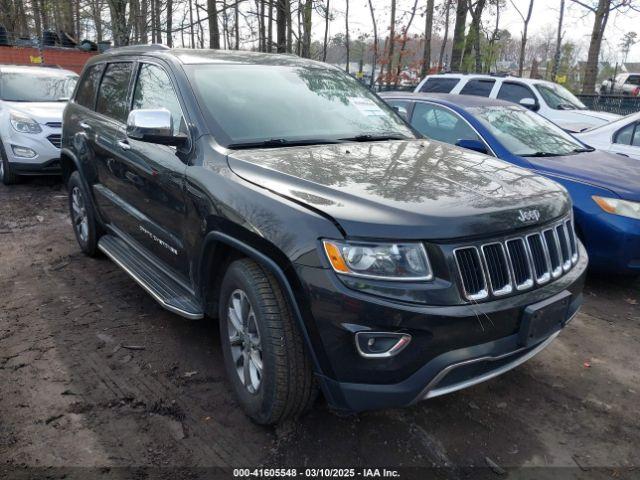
x=404, y=171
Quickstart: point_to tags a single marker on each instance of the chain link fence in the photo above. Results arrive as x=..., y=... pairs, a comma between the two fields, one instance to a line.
x=620, y=104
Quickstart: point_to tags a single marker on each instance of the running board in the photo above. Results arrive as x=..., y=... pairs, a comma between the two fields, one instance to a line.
x=166, y=291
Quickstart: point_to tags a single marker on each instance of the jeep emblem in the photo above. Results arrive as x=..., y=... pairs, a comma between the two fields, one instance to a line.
x=529, y=215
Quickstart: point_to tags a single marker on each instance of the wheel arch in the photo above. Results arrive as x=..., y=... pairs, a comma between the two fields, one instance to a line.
x=219, y=250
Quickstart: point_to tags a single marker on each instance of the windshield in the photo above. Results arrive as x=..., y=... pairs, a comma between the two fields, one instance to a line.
x=36, y=86
x=281, y=104
x=525, y=133
x=559, y=98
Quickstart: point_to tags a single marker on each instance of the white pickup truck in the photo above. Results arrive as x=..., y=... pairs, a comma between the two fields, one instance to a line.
x=622, y=84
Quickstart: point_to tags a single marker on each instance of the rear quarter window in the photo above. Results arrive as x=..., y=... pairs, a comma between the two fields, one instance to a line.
x=88, y=86
x=478, y=87
x=439, y=85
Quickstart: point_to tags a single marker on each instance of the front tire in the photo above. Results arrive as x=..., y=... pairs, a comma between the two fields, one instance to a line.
x=7, y=176
x=82, y=216
x=262, y=346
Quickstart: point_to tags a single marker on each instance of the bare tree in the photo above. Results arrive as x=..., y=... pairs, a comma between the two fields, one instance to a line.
x=214, y=30
x=403, y=43
x=392, y=42
x=458, y=35
x=473, y=38
x=428, y=30
x=556, y=55
x=523, y=43
x=120, y=26
x=346, y=29
x=445, y=35
x=601, y=10
x=375, y=44
x=307, y=10
x=326, y=32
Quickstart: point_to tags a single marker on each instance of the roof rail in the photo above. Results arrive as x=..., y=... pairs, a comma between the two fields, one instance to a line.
x=138, y=48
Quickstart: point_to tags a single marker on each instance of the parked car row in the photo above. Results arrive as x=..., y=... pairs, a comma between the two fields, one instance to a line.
x=343, y=249
x=549, y=99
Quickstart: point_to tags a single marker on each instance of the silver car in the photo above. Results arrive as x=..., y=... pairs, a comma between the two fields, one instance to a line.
x=31, y=103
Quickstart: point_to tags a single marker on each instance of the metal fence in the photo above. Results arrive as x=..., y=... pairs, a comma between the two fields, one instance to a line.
x=620, y=104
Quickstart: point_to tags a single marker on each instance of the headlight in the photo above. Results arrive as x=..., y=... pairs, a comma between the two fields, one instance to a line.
x=23, y=124
x=383, y=261
x=616, y=206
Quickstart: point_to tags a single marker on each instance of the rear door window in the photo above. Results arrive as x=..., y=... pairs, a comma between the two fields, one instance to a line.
x=479, y=87
x=113, y=93
x=514, y=92
x=86, y=93
x=439, y=85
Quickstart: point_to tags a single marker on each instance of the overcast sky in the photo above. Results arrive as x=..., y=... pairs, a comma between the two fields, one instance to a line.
x=577, y=24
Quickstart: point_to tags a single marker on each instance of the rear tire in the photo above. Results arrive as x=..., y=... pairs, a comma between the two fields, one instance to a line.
x=83, y=218
x=263, y=349
x=7, y=176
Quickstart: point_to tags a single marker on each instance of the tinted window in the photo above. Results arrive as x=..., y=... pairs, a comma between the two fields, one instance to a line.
x=154, y=90
x=400, y=106
x=636, y=137
x=112, y=97
x=86, y=94
x=439, y=85
x=514, y=92
x=36, y=85
x=293, y=103
x=481, y=88
x=623, y=136
x=441, y=124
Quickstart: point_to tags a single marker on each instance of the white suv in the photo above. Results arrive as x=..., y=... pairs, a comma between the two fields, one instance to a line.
x=31, y=103
x=549, y=99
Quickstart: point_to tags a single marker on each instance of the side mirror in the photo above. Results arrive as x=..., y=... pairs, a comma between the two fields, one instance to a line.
x=153, y=126
x=475, y=145
x=530, y=103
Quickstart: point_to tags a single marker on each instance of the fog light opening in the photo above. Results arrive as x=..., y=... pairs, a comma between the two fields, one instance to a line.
x=381, y=344
x=24, y=152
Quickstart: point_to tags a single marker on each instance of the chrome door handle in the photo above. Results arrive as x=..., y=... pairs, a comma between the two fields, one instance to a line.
x=124, y=145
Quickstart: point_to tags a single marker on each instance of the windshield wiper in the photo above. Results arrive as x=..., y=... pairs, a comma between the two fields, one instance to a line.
x=368, y=137
x=542, y=154
x=281, y=142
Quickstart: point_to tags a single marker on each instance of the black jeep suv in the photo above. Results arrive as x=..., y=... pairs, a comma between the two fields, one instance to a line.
x=338, y=251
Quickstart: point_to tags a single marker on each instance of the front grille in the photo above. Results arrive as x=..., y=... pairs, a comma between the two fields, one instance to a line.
x=54, y=124
x=471, y=272
x=55, y=139
x=497, y=268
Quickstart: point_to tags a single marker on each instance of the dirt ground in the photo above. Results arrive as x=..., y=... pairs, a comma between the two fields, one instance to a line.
x=93, y=373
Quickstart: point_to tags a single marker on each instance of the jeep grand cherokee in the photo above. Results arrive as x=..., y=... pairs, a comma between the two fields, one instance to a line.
x=338, y=251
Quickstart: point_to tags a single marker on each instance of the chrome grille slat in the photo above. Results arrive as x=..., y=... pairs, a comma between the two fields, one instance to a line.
x=55, y=139
x=500, y=267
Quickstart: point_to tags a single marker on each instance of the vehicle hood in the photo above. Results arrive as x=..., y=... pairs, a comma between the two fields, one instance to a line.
x=41, y=112
x=616, y=173
x=404, y=189
x=581, y=120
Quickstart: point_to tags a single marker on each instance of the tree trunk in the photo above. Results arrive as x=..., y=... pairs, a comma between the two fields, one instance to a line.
x=428, y=29
x=375, y=45
x=37, y=16
x=445, y=36
x=458, y=36
x=346, y=29
x=392, y=41
x=599, y=25
x=236, y=26
x=306, y=28
x=403, y=45
x=120, y=25
x=170, y=23
x=556, y=55
x=214, y=32
x=281, y=26
x=523, y=44
x=326, y=33
x=96, y=14
x=192, y=31
x=270, y=27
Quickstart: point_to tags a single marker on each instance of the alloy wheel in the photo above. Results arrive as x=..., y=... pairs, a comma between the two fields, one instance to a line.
x=244, y=341
x=79, y=215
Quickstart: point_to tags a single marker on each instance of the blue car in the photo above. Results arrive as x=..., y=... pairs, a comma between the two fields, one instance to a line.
x=605, y=187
